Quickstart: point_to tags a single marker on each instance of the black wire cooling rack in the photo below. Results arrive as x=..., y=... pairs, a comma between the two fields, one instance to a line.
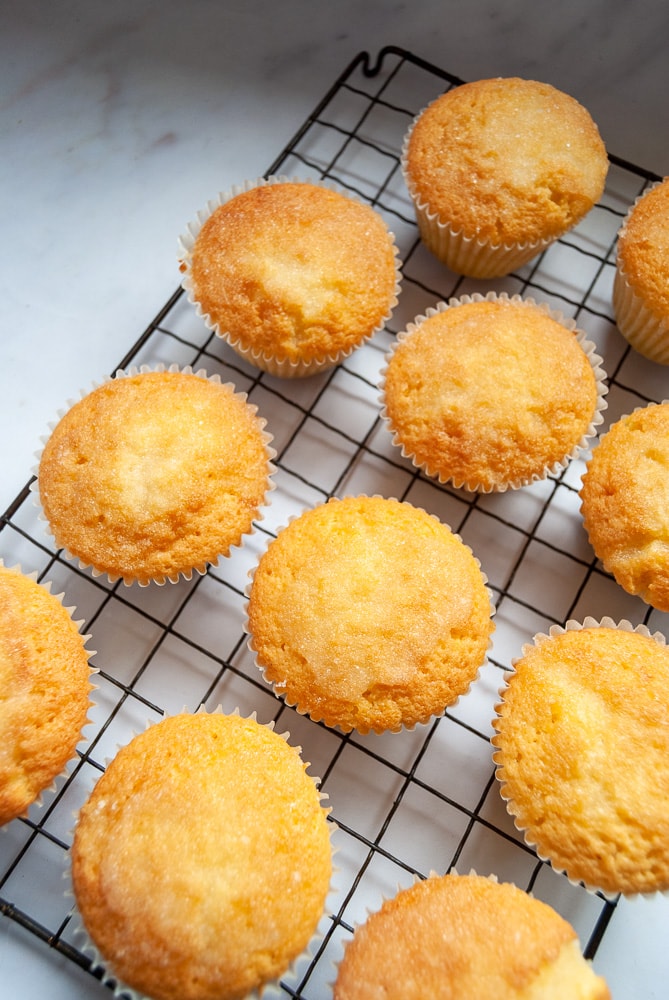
x=404, y=804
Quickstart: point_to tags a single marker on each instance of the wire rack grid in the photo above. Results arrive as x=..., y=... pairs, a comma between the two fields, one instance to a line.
x=404, y=804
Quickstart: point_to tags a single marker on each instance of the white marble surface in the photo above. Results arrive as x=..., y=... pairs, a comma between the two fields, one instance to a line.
x=119, y=119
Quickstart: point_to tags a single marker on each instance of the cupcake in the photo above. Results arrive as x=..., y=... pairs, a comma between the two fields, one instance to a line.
x=641, y=281
x=492, y=393
x=582, y=750
x=369, y=614
x=498, y=170
x=45, y=683
x=293, y=275
x=625, y=503
x=202, y=860
x=455, y=936
x=154, y=474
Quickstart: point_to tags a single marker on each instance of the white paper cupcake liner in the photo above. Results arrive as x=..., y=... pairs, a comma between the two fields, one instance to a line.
x=186, y=573
x=321, y=716
x=644, y=331
x=102, y=966
x=472, y=485
x=283, y=368
x=463, y=254
x=512, y=809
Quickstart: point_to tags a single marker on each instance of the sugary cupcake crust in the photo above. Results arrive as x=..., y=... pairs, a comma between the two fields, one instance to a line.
x=462, y=936
x=294, y=271
x=506, y=160
x=625, y=503
x=154, y=474
x=640, y=286
x=369, y=614
x=582, y=749
x=44, y=690
x=202, y=859
x=643, y=250
x=490, y=393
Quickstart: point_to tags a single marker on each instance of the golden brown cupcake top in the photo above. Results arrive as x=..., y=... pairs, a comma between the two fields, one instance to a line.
x=490, y=393
x=154, y=474
x=294, y=271
x=583, y=753
x=370, y=614
x=202, y=860
x=625, y=503
x=44, y=690
x=643, y=249
x=458, y=936
x=507, y=160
